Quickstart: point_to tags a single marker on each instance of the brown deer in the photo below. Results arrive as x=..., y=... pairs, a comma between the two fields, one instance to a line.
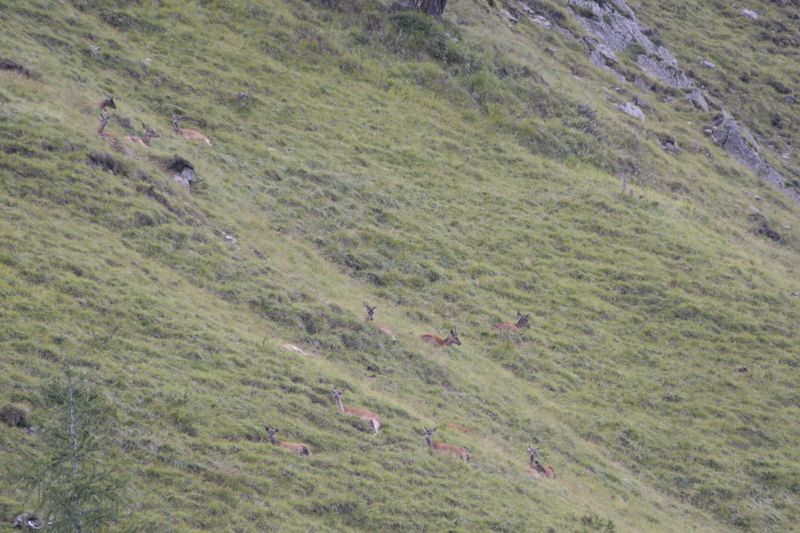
x=360, y=412
x=537, y=469
x=442, y=447
x=108, y=102
x=144, y=139
x=438, y=341
x=371, y=317
x=192, y=135
x=523, y=321
x=300, y=448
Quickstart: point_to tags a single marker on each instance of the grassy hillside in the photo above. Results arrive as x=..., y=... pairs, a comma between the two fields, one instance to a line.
x=450, y=173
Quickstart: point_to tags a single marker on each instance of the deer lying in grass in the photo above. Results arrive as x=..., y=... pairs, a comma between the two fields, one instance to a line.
x=537, y=469
x=144, y=139
x=523, y=321
x=371, y=317
x=192, y=135
x=443, y=447
x=297, y=447
x=360, y=412
x=438, y=341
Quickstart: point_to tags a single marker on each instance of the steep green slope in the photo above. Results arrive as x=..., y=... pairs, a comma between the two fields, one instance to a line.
x=449, y=173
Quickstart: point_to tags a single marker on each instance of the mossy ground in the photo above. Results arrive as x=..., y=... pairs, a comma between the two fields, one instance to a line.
x=450, y=174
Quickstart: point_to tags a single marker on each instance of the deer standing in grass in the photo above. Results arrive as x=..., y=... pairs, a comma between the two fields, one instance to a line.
x=536, y=468
x=192, y=135
x=360, y=412
x=438, y=341
x=523, y=321
x=443, y=447
x=297, y=447
x=371, y=317
x=144, y=139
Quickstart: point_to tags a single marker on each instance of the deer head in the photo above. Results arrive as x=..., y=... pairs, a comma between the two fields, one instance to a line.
x=149, y=133
x=428, y=434
x=271, y=433
x=453, y=339
x=108, y=102
x=523, y=321
x=370, y=312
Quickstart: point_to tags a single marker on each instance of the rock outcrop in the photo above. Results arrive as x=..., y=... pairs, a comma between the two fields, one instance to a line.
x=614, y=28
x=739, y=142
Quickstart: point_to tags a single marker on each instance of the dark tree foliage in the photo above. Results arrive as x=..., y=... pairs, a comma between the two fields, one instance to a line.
x=76, y=492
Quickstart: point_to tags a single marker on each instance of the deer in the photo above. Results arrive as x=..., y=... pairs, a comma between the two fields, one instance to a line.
x=144, y=139
x=371, y=317
x=298, y=447
x=192, y=135
x=360, y=412
x=523, y=321
x=443, y=447
x=536, y=468
x=108, y=102
x=438, y=341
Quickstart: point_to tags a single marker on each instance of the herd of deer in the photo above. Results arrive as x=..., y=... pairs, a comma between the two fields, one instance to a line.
x=535, y=468
x=148, y=135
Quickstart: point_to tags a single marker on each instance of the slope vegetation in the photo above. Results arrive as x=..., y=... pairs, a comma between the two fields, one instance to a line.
x=449, y=172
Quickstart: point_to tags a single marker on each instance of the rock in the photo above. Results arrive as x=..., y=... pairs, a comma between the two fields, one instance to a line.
x=643, y=84
x=28, y=521
x=697, y=98
x=742, y=369
x=749, y=13
x=184, y=171
x=790, y=99
x=14, y=416
x=19, y=68
x=631, y=109
x=668, y=143
x=708, y=64
x=739, y=142
x=641, y=102
x=509, y=16
x=763, y=228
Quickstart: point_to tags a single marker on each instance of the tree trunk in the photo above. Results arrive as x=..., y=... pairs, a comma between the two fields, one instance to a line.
x=73, y=433
x=431, y=7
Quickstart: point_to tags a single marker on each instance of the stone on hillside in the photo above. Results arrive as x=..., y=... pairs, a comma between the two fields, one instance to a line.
x=19, y=68
x=14, y=416
x=749, y=13
x=183, y=171
x=631, y=109
x=708, y=64
x=697, y=98
x=739, y=142
x=509, y=16
x=668, y=143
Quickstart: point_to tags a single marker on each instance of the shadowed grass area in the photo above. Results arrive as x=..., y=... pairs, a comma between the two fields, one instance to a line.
x=450, y=173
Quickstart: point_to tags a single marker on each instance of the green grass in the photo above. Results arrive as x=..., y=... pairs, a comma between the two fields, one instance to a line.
x=449, y=174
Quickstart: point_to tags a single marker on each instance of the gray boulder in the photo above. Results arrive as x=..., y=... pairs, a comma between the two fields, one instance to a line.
x=631, y=109
x=740, y=144
x=749, y=13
